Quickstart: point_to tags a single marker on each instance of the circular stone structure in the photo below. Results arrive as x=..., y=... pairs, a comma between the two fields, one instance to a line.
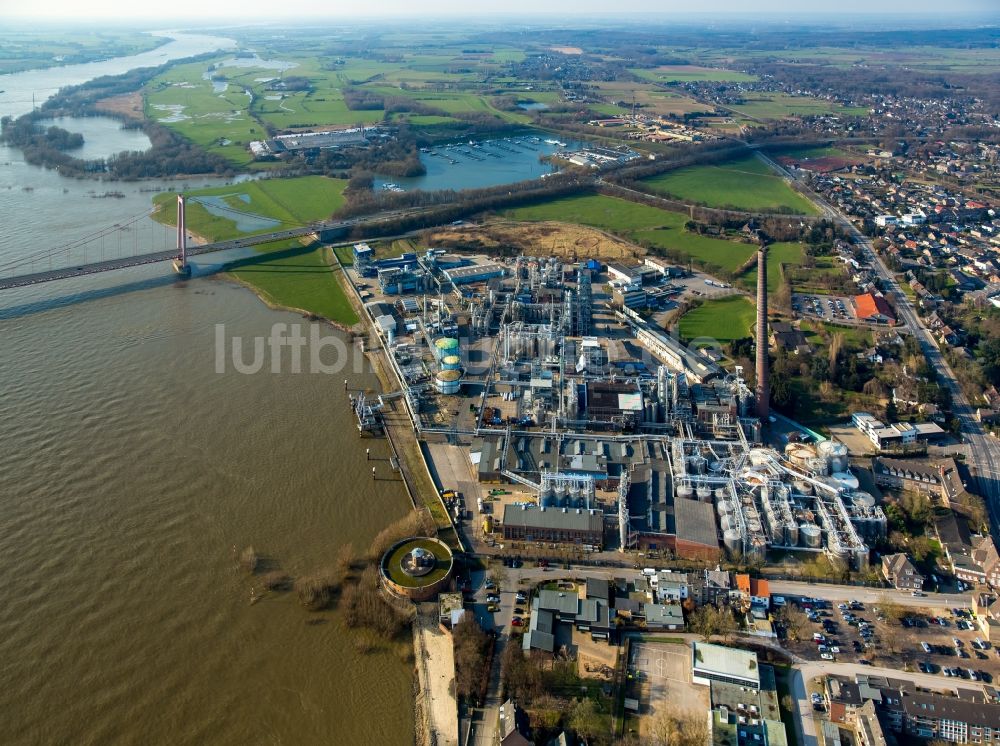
x=416, y=568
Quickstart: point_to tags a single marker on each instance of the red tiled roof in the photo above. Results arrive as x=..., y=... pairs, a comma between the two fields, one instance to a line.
x=869, y=305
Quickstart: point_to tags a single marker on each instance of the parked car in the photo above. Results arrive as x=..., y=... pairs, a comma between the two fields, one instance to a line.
x=826, y=656
x=517, y=622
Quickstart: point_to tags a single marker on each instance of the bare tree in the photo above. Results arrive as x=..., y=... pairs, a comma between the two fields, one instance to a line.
x=671, y=726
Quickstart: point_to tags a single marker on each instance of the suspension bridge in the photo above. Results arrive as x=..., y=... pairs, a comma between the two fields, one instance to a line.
x=122, y=245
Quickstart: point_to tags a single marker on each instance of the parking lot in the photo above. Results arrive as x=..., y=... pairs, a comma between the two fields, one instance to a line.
x=826, y=307
x=942, y=642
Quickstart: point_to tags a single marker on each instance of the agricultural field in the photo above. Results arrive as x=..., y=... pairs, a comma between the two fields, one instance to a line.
x=744, y=184
x=781, y=105
x=30, y=50
x=649, y=99
x=648, y=226
x=227, y=101
x=275, y=203
x=687, y=73
x=722, y=319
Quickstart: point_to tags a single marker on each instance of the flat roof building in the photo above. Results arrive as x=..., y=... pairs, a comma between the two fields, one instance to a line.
x=728, y=665
x=572, y=525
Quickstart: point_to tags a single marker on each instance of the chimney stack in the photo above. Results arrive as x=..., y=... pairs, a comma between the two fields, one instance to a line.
x=763, y=390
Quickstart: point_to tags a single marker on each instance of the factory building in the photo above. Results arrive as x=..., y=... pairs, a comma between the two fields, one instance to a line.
x=614, y=404
x=570, y=525
x=474, y=273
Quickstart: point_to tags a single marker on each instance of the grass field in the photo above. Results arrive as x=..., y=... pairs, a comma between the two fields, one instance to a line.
x=777, y=255
x=659, y=229
x=292, y=275
x=781, y=105
x=291, y=202
x=31, y=50
x=723, y=319
x=743, y=184
x=686, y=73
x=285, y=273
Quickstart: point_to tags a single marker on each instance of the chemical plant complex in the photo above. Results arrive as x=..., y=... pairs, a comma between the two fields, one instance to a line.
x=584, y=424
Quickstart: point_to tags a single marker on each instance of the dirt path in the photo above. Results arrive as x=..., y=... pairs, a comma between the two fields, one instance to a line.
x=435, y=661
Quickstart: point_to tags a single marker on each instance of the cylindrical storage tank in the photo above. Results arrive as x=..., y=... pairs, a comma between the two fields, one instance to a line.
x=818, y=465
x=574, y=493
x=685, y=491
x=727, y=522
x=863, y=499
x=448, y=381
x=715, y=467
x=812, y=536
x=451, y=362
x=720, y=494
x=792, y=534
x=847, y=480
x=446, y=346
x=731, y=540
x=835, y=453
x=560, y=494
x=545, y=497
x=704, y=493
x=488, y=525
x=803, y=487
x=725, y=507
x=861, y=559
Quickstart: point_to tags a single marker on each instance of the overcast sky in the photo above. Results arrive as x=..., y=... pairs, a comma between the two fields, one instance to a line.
x=252, y=10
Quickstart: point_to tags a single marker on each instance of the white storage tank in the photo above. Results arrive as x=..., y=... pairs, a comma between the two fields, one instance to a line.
x=812, y=536
x=802, y=487
x=727, y=523
x=686, y=491
x=448, y=381
x=847, y=480
x=704, y=493
x=720, y=494
x=835, y=453
x=725, y=507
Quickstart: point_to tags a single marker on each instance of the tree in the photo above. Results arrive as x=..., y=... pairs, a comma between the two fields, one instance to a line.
x=891, y=610
x=709, y=621
x=471, y=647
x=585, y=720
x=795, y=621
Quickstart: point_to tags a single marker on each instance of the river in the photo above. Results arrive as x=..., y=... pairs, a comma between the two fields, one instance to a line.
x=130, y=471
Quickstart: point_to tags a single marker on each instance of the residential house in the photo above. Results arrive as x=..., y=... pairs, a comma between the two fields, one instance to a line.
x=899, y=571
x=512, y=727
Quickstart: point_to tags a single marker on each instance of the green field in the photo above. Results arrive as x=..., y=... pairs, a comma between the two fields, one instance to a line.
x=723, y=319
x=781, y=105
x=292, y=202
x=31, y=50
x=292, y=275
x=659, y=229
x=777, y=255
x=686, y=73
x=190, y=99
x=744, y=184
x=285, y=273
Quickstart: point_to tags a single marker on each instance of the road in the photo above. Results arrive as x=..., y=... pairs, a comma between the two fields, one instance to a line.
x=985, y=450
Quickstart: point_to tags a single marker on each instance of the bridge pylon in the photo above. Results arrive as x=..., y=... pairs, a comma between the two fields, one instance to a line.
x=181, y=265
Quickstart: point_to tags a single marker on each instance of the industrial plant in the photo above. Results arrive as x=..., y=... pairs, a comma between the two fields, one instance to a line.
x=598, y=428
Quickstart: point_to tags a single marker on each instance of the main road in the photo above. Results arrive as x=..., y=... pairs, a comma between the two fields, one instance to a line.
x=985, y=449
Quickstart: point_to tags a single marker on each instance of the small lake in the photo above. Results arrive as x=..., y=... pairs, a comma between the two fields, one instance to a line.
x=483, y=163
x=102, y=136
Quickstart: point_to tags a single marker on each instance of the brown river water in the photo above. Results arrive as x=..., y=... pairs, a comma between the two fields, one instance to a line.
x=130, y=469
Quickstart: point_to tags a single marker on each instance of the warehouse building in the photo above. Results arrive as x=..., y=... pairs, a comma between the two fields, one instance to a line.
x=571, y=525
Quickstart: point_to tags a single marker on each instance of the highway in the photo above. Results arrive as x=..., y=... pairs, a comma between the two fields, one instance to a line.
x=985, y=449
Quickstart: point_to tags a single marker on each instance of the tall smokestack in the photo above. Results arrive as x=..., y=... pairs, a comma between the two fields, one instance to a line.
x=763, y=364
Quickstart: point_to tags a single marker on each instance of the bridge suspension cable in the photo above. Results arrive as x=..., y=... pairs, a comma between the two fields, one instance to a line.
x=101, y=233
